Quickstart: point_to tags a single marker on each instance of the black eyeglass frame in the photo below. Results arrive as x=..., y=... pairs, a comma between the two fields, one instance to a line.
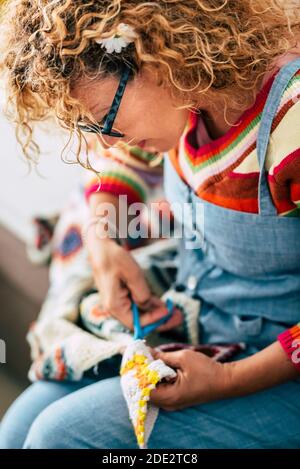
x=109, y=119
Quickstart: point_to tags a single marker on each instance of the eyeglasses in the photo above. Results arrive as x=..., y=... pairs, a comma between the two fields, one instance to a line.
x=105, y=127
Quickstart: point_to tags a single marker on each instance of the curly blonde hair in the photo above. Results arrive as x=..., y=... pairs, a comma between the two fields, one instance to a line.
x=193, y=46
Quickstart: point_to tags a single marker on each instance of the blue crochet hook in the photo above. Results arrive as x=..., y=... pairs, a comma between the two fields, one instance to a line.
x=139, y=331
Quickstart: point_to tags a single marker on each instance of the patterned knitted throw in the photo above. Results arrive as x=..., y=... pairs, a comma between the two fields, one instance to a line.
x=140, y=373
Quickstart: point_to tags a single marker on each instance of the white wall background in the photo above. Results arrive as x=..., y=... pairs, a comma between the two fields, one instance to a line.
x=24, y=195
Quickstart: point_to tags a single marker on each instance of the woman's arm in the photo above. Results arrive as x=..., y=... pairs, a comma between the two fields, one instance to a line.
x=200, y=379
x=117, y=275
x=262, y=370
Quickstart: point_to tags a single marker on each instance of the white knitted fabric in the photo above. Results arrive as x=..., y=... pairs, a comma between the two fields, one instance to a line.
x=81, y=349
x=140, y=373
x=190, y=308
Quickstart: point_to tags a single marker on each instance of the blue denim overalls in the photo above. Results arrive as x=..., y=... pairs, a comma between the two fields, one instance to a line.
x=247, y=272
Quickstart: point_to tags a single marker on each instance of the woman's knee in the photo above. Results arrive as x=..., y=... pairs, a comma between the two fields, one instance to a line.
x=17, y=420
x=94, y=417
x=22, y=413
x=47, y=431
x=12, y=435
x=58, y=425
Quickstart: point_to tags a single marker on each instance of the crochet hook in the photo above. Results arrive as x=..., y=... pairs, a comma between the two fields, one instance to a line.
x=139, y=331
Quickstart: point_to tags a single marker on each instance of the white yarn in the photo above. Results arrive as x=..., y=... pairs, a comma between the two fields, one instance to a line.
x=132, y=391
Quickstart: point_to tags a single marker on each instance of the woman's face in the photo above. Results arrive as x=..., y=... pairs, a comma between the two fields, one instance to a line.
x=147, y=116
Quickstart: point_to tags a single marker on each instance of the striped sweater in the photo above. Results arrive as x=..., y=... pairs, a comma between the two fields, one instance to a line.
x=121, y=171
x=223, y=171
x=290, y=342
x=226, y=172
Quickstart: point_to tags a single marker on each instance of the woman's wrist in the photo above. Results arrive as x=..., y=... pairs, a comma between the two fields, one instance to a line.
x=101, y=225
x=225, y=383
x=260, y=371
x=100, y=229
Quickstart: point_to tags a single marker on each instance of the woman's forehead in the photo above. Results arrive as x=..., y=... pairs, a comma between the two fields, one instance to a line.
x=97, y=94
x=86, y=86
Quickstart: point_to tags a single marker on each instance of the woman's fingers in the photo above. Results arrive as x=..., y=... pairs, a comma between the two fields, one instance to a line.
x=153, y=316
x=173, y=359
x=135, y=280
x=153, y=303
x=114, y=297
x=115, y=300
x=125, y=283
x=175, y=320
x=124, y=293
x=166, y=392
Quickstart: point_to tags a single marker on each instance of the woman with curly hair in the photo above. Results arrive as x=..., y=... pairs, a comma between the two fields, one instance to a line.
x=213, y=86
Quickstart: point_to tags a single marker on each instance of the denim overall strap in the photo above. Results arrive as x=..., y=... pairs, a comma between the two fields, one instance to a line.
x=266, y=206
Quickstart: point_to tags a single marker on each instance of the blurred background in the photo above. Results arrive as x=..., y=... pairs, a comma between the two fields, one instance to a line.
x=23, y=196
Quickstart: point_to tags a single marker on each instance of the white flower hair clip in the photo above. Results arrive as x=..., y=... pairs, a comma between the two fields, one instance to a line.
x=123, y=35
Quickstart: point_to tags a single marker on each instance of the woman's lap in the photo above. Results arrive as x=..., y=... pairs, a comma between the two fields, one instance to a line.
x=19, y=417
x=37, y=397
x=96, y=417
x=93, y=414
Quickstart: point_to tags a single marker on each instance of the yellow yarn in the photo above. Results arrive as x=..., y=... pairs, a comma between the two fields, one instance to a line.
x=147, y=379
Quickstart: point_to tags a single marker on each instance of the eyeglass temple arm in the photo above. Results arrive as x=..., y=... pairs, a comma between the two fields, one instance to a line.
x=110, y=119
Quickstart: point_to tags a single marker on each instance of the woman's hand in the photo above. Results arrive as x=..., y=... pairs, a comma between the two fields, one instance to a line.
x=199, y=379
x=120, y=280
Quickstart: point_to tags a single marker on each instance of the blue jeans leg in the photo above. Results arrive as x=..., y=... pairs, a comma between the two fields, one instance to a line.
x=96, y=417
x=37, y=397
x=19, y=417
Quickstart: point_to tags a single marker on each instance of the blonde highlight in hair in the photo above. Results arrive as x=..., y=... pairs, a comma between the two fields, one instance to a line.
x=192, y=47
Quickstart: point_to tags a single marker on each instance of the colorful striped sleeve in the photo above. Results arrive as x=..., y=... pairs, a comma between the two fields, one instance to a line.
x=290, y=342
x=284, y=152
x=121, y=171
